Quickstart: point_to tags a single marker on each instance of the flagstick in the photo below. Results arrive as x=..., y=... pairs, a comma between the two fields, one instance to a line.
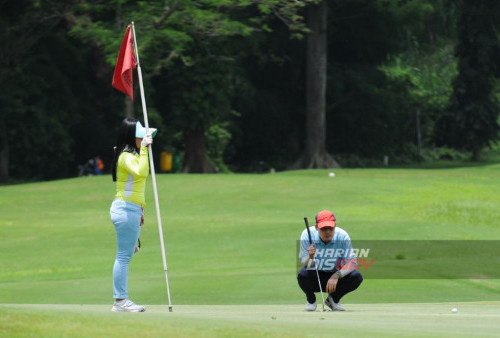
x=151, y=165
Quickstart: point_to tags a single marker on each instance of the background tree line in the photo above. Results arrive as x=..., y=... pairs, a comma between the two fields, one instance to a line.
x=246, y=85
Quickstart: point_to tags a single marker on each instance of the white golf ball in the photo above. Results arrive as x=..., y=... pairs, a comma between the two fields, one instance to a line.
x=331, y=174
x=454, y=310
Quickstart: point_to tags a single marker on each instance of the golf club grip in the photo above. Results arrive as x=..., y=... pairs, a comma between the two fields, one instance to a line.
x=308, y=231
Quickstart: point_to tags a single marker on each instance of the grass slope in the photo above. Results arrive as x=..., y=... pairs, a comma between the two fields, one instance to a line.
x=231, y=239
x=361, y=320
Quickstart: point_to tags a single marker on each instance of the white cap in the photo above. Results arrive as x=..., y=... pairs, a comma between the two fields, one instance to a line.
x=140, y=131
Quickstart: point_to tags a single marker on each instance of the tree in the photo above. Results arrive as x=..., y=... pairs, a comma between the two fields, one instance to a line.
x=471, y=120
x=357, y=49
x=315, y=154
x=371, y=112
x=197, y=99
x=368, y=114
x=426, y=66
x=175, y=38
x=23, y=27
x=184, y=34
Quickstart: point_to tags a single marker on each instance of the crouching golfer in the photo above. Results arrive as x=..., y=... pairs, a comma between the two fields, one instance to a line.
x=130, y=168
x=331, y=251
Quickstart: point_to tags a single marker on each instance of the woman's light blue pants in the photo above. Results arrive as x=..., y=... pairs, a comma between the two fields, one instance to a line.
x=126, y=218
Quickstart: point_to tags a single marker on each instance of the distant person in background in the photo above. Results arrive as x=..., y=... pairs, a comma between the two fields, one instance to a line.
x=87, y=169
x=130, y=168
x=99, y=165
x=332, y=251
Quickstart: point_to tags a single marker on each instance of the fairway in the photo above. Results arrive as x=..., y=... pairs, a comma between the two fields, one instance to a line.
x=479, y=319
x=231, y=244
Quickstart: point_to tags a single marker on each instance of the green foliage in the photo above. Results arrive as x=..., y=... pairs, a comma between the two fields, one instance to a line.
x=443, y=153
x=218, y=137
x=40, y=101
x=192, y=43
x=203, y=60
x=368, y=115
x=380, y=76
x=426, y=67
x=412, y=14
x=470, y=122
x=428, y=77
x=198, y=96
x=164, y=30
x=288, y=12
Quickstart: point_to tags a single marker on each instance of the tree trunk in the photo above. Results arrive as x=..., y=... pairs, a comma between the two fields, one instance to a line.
x=315, y=154
x=4, y=152
x=195, y=157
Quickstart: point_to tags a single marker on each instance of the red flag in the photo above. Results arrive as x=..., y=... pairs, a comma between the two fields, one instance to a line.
x=123, y=76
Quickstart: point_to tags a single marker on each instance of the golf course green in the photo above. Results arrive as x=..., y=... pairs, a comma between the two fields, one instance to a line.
x=231, y=245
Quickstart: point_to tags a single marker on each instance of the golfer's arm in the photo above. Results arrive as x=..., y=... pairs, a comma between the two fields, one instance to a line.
x=346, y=270
x=137, y=166
x=348, y=267
x=304, y=253
x=351, y=262
x=307, y=262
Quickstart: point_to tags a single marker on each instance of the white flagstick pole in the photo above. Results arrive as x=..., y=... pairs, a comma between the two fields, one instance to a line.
x=151, y=165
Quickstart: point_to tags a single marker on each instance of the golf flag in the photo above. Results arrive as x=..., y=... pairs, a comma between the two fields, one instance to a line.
x=123, y=76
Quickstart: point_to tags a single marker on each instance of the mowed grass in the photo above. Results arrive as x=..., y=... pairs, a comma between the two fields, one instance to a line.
x=231, y=240
x=361, y=320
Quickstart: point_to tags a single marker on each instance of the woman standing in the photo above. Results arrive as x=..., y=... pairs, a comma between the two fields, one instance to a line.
x=130, y=168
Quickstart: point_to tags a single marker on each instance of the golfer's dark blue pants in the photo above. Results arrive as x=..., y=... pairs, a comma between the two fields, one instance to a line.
x=308, y=282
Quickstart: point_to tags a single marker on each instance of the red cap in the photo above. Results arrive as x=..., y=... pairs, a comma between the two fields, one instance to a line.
x=325, y=218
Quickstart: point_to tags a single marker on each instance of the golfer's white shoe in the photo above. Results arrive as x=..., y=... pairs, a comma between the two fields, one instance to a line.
x=127, y=305
x=332, y=305
x=310, y=307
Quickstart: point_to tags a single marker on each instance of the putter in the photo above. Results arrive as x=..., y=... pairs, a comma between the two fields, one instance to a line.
x=315, y=266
